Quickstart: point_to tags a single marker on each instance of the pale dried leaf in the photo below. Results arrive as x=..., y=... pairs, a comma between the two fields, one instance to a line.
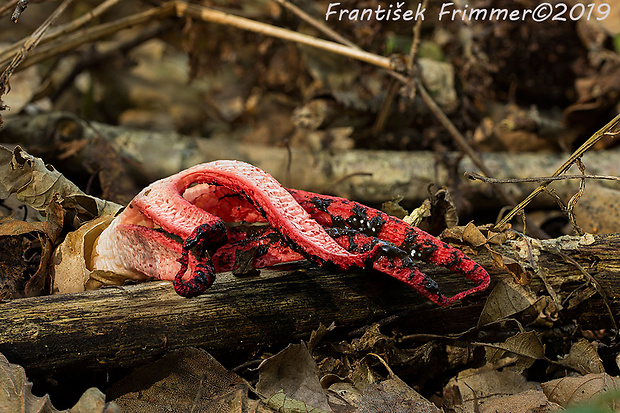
x=583, y=358
x=281, y=403
x=16, y=391
x=506, y=299
x=182, y=381
x=71, y=260
x=93, y=401
x=476, y=386
x=346, y=392
x=393, y=395
x=417, y=215
x=529, y=401
x=570, y=390
x=36, y=183
x=525, y=346
x=294, y=372
x=473, y=235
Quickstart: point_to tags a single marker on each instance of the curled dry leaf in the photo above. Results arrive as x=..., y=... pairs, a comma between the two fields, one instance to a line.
x=477, y=236
x=583, y=358
x=506, y=299
x=525, y=348
x=394, y=208
x=291, y=378
x=571, y=390
x=544, y=312
x=35, y=183
x=514, y=268
x=19, y=279
x=473, y=235
x=71, y=270
x=476, y=387
x=417, y=215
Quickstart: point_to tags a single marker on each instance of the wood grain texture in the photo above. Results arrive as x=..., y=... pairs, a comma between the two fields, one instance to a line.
x=126, y=326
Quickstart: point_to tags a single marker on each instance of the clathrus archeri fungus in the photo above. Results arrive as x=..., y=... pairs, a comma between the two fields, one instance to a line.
x=191, y=225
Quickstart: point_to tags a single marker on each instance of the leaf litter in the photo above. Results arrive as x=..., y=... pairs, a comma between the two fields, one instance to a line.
x=358, y=371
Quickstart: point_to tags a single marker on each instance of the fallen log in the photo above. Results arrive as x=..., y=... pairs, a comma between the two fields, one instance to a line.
x=129, y=325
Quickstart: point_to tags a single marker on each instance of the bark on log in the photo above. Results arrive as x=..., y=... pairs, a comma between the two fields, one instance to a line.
x=126, y=326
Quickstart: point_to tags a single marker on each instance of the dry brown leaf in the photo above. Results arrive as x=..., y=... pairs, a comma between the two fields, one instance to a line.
x=70, y=263
x=497, y=238
x=281, y=403
x=544, y=312
x=182, y=381
x=529, y=401
x=473, y=235
x=393, y=395
x=519, y=274
x=525, y=348
x=371, y=341
x=17, y=282
x=294, y=372
x=317, y=335
x=344, y=394
x=480, y=235
x=570, y=390
x=479, y=386
x=36, y=184
x=506, y=299
x=583, y=358
x=394, y=208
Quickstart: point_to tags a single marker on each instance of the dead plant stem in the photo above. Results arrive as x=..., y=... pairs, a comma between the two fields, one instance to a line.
x=7, y=53
x=611, y=129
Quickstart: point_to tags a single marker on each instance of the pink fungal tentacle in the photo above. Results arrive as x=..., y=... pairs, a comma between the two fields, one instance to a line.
x=409, y=243
x=162, y=204
x=204, y=205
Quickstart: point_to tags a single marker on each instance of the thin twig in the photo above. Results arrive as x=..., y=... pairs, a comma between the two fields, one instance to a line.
x=7, y=53
x=317, y=24
x=19, y=9
x=415, y=44
x=345, y=178
x=612, y=129
x=214, y=16
x=477, y=177
x=386, y=107
x=92, y=34
x=27, y=47
x=572, y=202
